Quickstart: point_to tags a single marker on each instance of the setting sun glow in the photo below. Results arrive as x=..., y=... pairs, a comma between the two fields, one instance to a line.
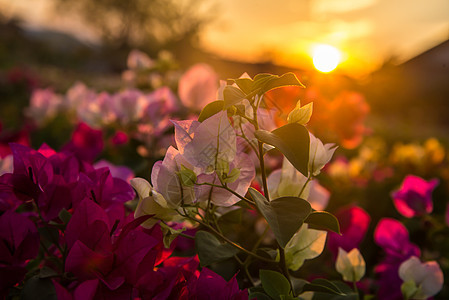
x=326, y=58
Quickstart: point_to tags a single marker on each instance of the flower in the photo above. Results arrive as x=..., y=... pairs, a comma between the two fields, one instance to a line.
x=306, y=244
x=19, y=242
x=393, y=238
x=207, y=150
x=421, y=280
x=290, y=182
x=151, y=203
x=44, y=105
x=347, y=113
x=86, y=143
x=319, y=154
x=354, y=222
x=301, y=114
x=414, y=198
x=210, y=285
x=350, y=265
x=198, y=86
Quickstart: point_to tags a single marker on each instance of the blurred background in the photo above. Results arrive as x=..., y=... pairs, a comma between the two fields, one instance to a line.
x=395, y=52
x=377, y=72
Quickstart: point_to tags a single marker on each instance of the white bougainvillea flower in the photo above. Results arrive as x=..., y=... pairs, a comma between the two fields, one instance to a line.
x=214, y=140
x=318, y=195
x=300, y=114
x=166, y=180
x=184, y=132
x=221, y=197
x=319, y=154
x=421, y=280
x=289, y=182
x=305, y=244
x=152, y=203
x=350, y=265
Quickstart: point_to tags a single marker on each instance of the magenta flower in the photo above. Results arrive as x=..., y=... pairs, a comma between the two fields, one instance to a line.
x=119, y=138
x=120, y=172
x=393, y=237
x=86, y=143
x=19, y=242
x=354, y=222
x=32, y=174
x=97, y=252
x=414, y=198
x=109, y=192
x=212, y=286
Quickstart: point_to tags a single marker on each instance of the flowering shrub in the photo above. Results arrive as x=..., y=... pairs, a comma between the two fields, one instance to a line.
x=233, y=210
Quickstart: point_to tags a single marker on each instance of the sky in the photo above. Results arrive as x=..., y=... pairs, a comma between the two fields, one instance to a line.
x=367, y=32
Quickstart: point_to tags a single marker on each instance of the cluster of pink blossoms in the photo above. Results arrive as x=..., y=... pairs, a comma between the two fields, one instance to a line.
x=67, y=218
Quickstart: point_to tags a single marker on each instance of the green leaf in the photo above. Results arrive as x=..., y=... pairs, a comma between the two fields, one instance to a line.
x=261, y=76
x=297, y=284
x=347, y=292
x=323, y=220
x=64, y=215
x=231, y=176
x=268, y=253
x=211, y=109
x=187, y=176
x=169, y=234
x=234, y=217
x=47, y=272
x=288, y=297
x=261, y=80
x=288, y=79
x=37, y=288
x=285, y=215
x=232, y=95
x=245, y=84
x=274, y=283
x=210, y=249
x=323, y=286
x=293, y=141
x=259, y=296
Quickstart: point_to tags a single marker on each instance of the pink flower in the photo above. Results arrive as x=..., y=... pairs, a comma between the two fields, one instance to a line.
x=414, y=198
x=198, y=86
x=210, y=285
x=354, y=222
x=86, y=142
x=393, y=237
x=19, y=242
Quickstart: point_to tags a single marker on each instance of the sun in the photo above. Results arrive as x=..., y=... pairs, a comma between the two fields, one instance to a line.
x=326, y=58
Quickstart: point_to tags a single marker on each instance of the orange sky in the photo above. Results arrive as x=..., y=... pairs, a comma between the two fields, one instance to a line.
x=366, y=31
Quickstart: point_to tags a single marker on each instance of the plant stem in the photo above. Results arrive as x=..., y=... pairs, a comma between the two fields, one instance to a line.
x=229, y=190
x=284, y=266
x=356, y=290
x=216, y=232
x=304, y=186
x=262, y=169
